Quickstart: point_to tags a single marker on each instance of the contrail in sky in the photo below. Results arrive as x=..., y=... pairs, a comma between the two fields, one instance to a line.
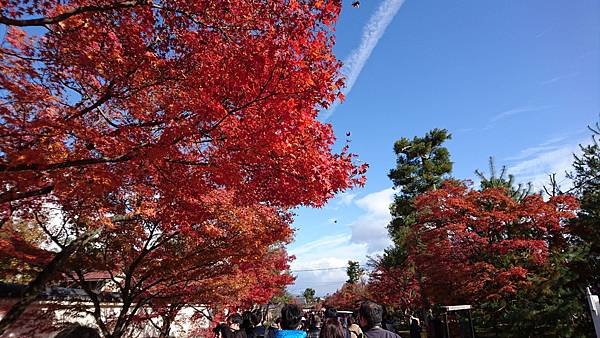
x=371, y=34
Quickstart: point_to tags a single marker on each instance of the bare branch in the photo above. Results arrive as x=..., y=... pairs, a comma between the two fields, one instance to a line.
x=10, y=196
x=69, y=13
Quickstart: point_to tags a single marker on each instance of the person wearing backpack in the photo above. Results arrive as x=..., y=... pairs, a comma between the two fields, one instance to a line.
x=353, y=328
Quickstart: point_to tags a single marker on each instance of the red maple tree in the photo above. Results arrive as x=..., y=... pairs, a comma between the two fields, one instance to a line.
x=348, y=297
x=469, y=246
x=230, y=261
x=136, y=111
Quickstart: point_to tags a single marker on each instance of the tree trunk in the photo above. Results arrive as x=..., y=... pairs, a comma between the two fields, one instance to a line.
x=165, y=329
x=168, y=319
x=37, y=285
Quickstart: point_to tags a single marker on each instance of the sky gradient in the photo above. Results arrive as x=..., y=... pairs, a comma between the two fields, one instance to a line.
x=516, y=80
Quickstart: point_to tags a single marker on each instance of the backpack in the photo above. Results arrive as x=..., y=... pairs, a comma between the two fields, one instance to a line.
x=358, y=334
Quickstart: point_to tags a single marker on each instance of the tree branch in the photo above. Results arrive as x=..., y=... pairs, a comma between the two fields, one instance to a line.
x=69, y=13
x=10, y=196
x=65, y=164
x=36, y=286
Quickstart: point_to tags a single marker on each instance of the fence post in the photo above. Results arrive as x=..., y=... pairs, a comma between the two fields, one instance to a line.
x=595, y=310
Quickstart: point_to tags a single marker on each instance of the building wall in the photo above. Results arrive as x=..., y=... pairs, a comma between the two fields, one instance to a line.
x=46, y=318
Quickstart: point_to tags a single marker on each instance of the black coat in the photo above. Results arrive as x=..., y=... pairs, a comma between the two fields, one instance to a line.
x=239, y=334
x=377, y=332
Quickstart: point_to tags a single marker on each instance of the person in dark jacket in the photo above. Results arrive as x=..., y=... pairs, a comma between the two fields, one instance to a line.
x=388, y=322
x=260, y=329
x=251, y=323
x=272, y=330
x=234, y=322
x=369, y=317
x=415, y=327
x=332, y=313
x=222, y=331
x=291, y=319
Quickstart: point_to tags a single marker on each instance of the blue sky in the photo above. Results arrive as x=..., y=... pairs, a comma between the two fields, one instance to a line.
x=517, y=80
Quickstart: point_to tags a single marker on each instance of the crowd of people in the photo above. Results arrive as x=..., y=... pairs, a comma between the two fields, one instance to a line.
x=366, y=322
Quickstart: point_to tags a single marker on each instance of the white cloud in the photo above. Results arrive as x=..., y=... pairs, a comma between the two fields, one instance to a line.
x=527, y=153
x=559, y=78
x=535, y=164
x=345, y=198
x=372, y=32
x=371, y=227
x=310, y=247
x=377, y=203
x=330, y=252
x=517, y=110
x=368, y=237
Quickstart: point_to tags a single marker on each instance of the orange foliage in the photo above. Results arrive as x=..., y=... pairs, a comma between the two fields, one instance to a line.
x=348, y=297
x=191, y=121
x=470, y=246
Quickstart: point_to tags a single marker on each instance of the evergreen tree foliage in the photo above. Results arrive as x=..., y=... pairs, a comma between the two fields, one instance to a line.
x=552, y=301
x=555, y=304
x=504, y=180
x=354, y=271
x=309, y=295
x=421, y=165
x=586, y=181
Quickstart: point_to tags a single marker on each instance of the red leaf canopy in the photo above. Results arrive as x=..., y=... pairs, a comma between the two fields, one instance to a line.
x=469, y=246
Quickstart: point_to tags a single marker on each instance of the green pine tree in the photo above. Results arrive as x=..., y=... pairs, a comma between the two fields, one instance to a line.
x=586, y=181
x=354, y=271
x=309, y=295
x=504, y=180
x=421, y=165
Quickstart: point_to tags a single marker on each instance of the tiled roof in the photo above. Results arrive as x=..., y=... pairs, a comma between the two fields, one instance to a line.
x=91, y=276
